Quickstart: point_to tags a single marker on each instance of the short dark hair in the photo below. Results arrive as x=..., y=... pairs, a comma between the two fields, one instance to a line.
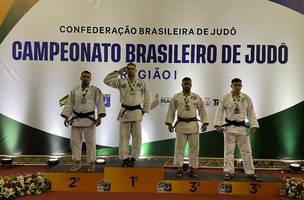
x=186, y=79
x=85, y=72
x=236, y=80
x=131, y=64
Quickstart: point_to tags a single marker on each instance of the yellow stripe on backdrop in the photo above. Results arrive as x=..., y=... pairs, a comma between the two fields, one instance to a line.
x=5, y=6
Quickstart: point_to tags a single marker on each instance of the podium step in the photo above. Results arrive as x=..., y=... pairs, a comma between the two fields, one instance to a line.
x=150, y=176
x=143, y=177
x=63, y=180
x=213, y=183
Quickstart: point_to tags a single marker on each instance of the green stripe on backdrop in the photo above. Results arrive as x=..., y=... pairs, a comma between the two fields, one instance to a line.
x=280, y=137
x=16, y=12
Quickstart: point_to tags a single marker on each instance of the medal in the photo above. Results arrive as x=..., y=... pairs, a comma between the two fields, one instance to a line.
x=132, y=92
x=236, y=110
x=236, y=100
x=83, y=100
x=132, y=86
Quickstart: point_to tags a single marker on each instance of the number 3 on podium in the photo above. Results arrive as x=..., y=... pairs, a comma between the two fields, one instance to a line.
x=193, y=186
x=254, y=188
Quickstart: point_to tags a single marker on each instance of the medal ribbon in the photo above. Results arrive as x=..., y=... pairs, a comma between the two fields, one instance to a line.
x=236, y=100
x=84, y=92
x=186, y=100
x=131, y=84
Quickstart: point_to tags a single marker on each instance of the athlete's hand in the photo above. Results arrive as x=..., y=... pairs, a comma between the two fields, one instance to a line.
x=170, y=128
x=218, y=129
x=254, y=129
x=204, y=127
x=98, y=121
x=66, y=122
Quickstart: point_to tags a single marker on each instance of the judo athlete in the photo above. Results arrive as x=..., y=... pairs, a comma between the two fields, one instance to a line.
x=134, y=94
x=84, y=102
x=236, y=107
x=187, y=104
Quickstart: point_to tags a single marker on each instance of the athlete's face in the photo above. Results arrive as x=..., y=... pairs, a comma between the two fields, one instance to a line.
x=236, y=87
x=187, y=84
x=131, y=69
x=85, y=78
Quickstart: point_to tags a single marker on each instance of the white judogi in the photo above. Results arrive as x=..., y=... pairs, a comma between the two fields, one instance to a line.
x=186, y=131
x=84, y=126
x=236, y=134
x=131, y=94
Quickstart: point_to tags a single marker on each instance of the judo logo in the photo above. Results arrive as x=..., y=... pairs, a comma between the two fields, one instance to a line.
x=103, y=186
x=208, y=101
x=225, y=188
x=107, y=100
x=164, y=187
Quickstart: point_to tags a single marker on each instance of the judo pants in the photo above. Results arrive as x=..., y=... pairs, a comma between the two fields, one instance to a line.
x=180, y=143
x=76, y=142
x=126, y=129
x=243, y=142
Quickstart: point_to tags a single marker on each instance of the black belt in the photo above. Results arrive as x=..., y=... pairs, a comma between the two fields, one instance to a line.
x=235, y=123
x=187, y=120
x=83, y=115
x=192, y=119
x=130, y=108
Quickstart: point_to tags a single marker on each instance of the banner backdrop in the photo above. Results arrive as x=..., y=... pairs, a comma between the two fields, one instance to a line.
x=46, y=44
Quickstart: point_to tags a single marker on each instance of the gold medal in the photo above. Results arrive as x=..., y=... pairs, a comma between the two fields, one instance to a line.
x=236, y=110
x=83, y=100
x=187, y=107
x=236, y=100
x=132, y=86
x=132, y=92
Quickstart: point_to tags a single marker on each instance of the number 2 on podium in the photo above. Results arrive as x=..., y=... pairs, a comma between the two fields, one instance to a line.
x=73, y=181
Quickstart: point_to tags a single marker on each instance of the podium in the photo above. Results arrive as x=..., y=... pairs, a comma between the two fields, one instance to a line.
x=212, y=183
x=63, y=180
x=143, y=177
x=150, y=176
